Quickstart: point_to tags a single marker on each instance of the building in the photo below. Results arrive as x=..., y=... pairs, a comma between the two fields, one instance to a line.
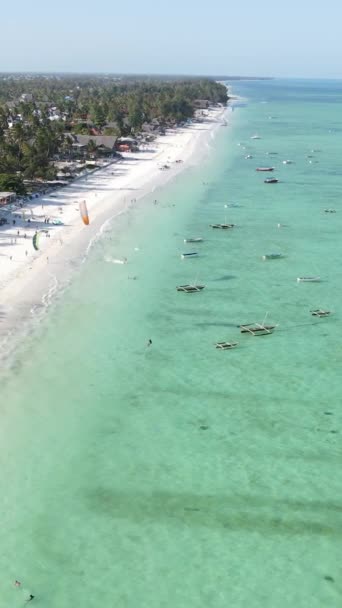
x=26, y=97
x=201, y=104
x=126, y=144
x=7, y=197
x=101, y=141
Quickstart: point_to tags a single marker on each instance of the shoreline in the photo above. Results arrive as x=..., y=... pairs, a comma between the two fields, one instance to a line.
x=30, y=280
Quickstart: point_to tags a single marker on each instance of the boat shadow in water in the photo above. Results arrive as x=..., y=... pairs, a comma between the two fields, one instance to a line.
x=246, y=513
x=226, y=277
x=214, y=324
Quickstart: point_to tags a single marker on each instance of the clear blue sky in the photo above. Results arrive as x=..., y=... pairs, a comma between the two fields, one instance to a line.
x=300, y=38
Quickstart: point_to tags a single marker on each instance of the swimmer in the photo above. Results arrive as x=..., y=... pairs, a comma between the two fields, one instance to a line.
x=30, y=598
x=17, y=583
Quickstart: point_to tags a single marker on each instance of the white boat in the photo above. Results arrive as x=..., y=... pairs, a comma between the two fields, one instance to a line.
x=191, y=254
x=115, y=260
x=272, y=256
x=248, y=156
x=308, y=279
x=287, y=162
x=195, y=239
x=255, y=137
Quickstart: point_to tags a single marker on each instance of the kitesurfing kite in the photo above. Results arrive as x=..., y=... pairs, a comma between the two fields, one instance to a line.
x=36, y=238
x=35, y=241
x=84, y=213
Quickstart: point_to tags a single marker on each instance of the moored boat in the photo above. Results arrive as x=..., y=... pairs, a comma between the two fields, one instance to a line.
x=190, y=288
x=329, y=210
x=272, y=256
x=308, y=279
x=287, y=162
x=191, y=254
x=264, y=169
x=195, y=239
x=271, y=180
x=257, y=329
x=320, y=313
x=222, y=226
x=255, y=137
x=226, y=345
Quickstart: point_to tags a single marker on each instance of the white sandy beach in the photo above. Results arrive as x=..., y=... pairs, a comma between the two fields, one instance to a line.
x=30, y=278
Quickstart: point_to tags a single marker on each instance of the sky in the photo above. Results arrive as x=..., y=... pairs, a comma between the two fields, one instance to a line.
x=284, y=38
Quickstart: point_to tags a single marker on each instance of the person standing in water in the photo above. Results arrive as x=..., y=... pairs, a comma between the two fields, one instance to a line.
x=149, y=343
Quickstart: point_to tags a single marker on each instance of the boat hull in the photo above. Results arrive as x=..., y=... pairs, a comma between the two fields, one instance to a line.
x=226, y=345
x=222, y=226
x=190, y=288
x=272, y=256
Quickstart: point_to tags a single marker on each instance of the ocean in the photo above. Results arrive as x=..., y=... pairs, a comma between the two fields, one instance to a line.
x=179, y=475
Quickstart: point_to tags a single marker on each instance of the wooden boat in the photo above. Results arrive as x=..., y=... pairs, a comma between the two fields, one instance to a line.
x=272, y=256
x=271, y=180
x=320, y=313
x=195, y=239
x=226, y=345
x=222, y=226
x=264, y=169
x=257, y=329
x=191, y=254
x=308, y=279
x=190, y=288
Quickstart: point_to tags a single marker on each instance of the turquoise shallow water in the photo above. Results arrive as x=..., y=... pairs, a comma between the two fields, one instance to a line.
x=180, y=475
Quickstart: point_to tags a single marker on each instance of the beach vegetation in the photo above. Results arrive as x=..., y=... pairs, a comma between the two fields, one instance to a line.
x=41, y=115
x=12, y=183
